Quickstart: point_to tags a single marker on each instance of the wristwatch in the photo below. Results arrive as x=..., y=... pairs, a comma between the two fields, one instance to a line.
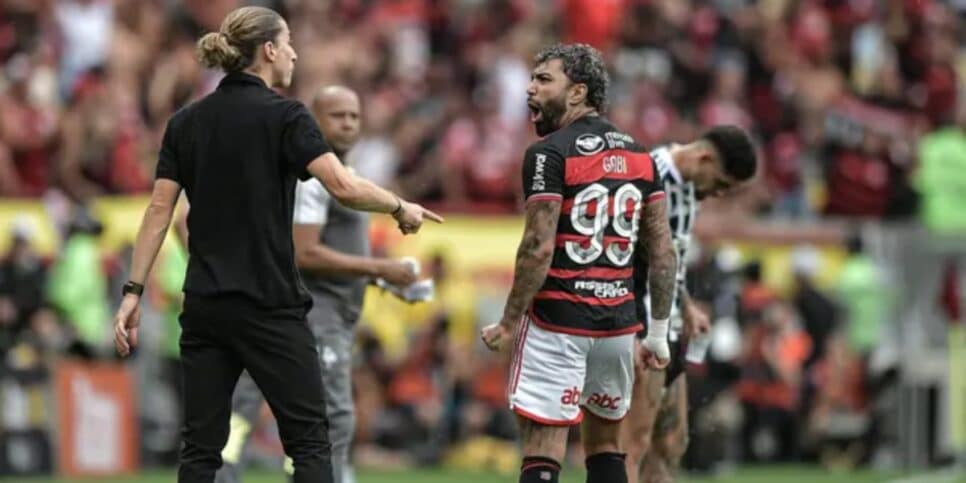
x=132, y=287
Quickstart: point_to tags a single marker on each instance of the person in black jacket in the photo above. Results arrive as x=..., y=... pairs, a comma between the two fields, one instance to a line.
x=237, y=153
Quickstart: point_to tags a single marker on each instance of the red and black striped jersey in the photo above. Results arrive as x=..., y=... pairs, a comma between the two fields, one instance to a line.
x=603, y=178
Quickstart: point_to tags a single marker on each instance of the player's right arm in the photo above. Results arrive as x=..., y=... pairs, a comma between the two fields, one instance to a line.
x=311, y=255
x=543, y=190
x=181, y=222
x=311, y=156
x=657, y=246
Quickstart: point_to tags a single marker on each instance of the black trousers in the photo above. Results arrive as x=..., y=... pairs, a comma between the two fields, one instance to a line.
x=220, y=337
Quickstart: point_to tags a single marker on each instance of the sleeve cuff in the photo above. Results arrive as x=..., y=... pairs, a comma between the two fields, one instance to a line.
x=167, y=175
x=544, y=197
x=655, y=196
x=304, y=174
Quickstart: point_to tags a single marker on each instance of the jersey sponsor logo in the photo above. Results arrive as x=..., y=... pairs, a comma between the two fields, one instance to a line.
x=571, y=397
x=539, y=182
x=615, y=164
x=603, y=290
x=588, y=144
x=618, y=140
x=604, y=401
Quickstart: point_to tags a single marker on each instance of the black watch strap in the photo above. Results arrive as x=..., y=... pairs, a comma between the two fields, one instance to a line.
x=132, y=287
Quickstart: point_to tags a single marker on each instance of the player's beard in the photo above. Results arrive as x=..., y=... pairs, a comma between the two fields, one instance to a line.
x=550, y=114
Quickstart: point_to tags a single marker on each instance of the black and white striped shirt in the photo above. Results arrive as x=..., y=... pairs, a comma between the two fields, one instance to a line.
x=682, y=205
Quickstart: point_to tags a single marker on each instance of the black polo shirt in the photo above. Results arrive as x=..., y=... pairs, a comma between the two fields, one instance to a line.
x=237, y=154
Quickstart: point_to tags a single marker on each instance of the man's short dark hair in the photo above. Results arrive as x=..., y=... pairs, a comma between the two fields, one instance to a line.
x=736, y=150
x=582, y=64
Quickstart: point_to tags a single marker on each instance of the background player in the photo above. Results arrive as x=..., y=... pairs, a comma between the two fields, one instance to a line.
x=655, y=434
x=585, y=185
x=332, y=253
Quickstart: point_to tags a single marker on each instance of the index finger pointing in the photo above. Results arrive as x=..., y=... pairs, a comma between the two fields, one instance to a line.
x=433, y=216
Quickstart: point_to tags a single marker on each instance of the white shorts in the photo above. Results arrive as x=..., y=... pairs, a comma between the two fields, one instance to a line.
x=554, y=375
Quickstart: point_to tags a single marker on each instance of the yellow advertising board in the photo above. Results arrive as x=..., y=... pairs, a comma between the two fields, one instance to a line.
x=471, y=243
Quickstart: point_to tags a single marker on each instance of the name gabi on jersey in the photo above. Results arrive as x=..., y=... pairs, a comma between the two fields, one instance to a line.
x=603, y=290
x=615, y=164
x=539, y=183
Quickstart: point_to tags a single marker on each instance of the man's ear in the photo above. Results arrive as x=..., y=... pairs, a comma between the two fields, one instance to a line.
x=577, y=95
x=706, y=158
x=708, y=155
x=270, y=50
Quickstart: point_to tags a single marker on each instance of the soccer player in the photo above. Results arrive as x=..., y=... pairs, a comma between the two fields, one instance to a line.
x=237, y=153
x=655, y=433
x=587, y=185
x=332, y=253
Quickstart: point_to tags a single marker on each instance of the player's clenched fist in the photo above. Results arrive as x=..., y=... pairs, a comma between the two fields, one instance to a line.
x=495, y=336
x=654, y=352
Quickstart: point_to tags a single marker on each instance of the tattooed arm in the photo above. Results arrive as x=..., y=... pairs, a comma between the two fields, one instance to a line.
x=533, y=257
x=655, y=238
x=533, y=261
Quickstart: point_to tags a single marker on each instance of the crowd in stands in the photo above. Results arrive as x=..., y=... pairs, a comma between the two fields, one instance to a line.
x=839, y=94
x=858, y=108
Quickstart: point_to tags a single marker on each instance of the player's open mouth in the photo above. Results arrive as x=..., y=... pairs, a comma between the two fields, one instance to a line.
x=535, y=112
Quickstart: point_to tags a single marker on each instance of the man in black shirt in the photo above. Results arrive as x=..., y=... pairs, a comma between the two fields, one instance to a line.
x=238, y=153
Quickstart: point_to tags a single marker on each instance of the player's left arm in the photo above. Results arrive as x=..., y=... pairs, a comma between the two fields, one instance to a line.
x=534, y=256
x=656, y=246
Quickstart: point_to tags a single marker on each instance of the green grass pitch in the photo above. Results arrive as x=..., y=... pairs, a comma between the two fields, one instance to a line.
x=789, y=474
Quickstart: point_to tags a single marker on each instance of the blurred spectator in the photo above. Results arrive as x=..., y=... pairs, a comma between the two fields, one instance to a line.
x=942, y=176
x=819, y=314
x=414, y=417
x=86, y=27
x=863, y=293
x=479, y=155
x=22, y=22
x=755, y=295
x=77, y=287
x=772, y=372
x=22, y=284
x=28, y=123
x=177, y=78
x=593, y=22
x=100, y=143
x=726, y=102
x=840, y=415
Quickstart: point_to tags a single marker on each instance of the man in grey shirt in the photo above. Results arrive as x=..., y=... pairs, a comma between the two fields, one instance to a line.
x=332, y=253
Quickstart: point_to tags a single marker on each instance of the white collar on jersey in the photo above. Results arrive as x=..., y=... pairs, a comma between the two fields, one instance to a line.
x=664, y=152
x=672, y=169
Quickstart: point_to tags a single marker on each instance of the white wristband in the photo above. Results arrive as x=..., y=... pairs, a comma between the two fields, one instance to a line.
x=657, y=329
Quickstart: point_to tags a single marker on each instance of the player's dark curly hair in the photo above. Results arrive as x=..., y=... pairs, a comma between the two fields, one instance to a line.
x=736, y=150
x=583, y=65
